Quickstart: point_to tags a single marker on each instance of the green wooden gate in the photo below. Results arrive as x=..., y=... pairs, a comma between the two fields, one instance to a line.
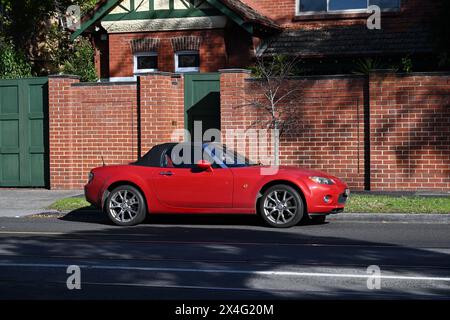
x=23, y=132
x=202, y=100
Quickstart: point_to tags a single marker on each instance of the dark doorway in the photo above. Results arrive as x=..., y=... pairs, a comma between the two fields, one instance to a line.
x=202, y=101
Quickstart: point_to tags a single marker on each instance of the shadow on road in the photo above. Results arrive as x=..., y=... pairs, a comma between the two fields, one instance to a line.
x=209, y=242
x=92, y=215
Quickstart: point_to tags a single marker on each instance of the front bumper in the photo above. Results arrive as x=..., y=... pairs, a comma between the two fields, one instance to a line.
x=329, y=199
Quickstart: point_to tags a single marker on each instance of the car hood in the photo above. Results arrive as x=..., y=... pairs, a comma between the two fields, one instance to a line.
x=301, y=171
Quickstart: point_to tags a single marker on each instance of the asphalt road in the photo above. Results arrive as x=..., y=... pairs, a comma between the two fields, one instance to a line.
x=221, y=257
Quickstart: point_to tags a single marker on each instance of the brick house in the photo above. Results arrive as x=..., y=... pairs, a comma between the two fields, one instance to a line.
x=138, y=36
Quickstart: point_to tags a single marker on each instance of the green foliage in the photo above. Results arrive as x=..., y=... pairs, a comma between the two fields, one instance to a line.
x=32, y=28
x=365, y=66
x=69, y=204
x=13, y=64
x=370, y=203
x=81, y=61
x=86, y=5
x=407, y=64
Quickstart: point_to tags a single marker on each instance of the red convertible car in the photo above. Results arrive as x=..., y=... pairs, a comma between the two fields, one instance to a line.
x=185, y=178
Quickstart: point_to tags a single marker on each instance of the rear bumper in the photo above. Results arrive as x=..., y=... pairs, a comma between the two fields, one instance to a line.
x=92, y=195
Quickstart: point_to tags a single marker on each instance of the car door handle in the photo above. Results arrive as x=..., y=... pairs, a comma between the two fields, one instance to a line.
x=166, y=173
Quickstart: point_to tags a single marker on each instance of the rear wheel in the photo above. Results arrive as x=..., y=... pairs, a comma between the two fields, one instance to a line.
x=125, y=206
x=281, y=206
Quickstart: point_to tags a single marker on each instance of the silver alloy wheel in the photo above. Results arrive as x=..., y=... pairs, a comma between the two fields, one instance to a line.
x=280, y=206
x=124, y=206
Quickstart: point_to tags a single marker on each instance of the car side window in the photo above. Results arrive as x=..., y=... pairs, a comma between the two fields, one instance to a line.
x=168, y=162
x=176, y=159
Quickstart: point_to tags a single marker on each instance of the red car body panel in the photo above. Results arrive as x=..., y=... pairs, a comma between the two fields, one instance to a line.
x=222, y=190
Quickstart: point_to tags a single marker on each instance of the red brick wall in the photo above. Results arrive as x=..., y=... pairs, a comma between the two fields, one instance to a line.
x=329, y=134
x=410, y=131
x=90, y=120
x=162, y=108
x=409, y=114
x=410, y=127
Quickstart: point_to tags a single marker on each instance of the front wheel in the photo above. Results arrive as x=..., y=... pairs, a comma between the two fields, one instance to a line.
x=125, y=206
x=281, y=206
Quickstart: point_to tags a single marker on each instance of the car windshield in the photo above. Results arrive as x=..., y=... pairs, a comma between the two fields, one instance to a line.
x=187, y=155
x=221, y=155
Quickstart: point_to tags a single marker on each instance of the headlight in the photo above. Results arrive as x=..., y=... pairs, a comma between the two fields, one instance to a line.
x=90, y=177
x=322, y=180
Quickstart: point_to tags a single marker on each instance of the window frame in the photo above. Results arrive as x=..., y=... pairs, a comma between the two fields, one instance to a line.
x=186, y=69
x=143, y=54
x=328, y=11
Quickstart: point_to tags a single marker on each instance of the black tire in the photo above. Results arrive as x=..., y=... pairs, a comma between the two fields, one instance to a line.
x=317, y=219
x=128, y=213
x=272, y=216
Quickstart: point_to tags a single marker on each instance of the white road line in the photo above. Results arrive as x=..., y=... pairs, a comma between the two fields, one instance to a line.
x=32, y=232
x=229, y=271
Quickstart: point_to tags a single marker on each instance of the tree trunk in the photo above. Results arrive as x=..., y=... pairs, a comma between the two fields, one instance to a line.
x=276, y=146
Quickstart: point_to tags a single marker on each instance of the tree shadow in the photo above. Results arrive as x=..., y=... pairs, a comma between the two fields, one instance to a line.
x=409, y=122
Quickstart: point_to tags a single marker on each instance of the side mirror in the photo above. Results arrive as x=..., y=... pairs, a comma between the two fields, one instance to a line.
x=204, y=165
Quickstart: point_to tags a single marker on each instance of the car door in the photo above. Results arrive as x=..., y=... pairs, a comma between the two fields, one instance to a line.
x=188, y=187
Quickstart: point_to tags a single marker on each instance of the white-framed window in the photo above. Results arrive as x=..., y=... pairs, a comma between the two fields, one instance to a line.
x=145, y=62
x=187, y=61
x=305, y=7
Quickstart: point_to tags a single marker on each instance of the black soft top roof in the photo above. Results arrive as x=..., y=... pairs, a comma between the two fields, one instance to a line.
x=153, y=158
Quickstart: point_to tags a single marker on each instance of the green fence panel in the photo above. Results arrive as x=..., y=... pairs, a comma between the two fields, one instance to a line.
x=23, y=132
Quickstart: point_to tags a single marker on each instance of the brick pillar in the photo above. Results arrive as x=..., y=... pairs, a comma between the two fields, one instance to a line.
x=233, y=115
x=162, y=108
x=237, y=117
x=232, y=97
x=62, y=102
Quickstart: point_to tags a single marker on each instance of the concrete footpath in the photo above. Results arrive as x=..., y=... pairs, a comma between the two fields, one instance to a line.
x=23, y=202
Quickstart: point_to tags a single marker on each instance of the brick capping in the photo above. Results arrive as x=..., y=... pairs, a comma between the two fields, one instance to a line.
x=104, y=83
x=235, y=71
x=410, y=74
x=318, y=77
x=64, y=76
x=161, y=73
